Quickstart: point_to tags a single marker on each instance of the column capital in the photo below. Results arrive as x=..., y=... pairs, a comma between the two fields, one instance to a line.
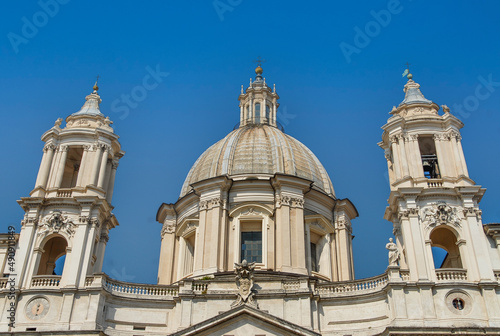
x=48, y=147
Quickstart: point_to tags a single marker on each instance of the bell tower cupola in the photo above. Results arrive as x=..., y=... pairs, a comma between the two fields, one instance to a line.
x=258, y=103
x=68, y=214
x=433, y=203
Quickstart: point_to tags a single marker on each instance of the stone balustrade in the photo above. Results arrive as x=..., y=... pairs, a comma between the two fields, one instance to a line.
x=352, y=287
x=64, y=193
x=434, y=183
x=125, y=289
x=3, y=283
x=200, y=286
x=451, y=274
x=45, y=281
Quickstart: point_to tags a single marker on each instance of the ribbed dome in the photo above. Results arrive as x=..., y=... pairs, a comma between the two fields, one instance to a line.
x=255, y=149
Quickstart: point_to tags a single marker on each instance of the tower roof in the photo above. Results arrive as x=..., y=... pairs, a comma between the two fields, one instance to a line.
x=91, y=105
x=413, y=94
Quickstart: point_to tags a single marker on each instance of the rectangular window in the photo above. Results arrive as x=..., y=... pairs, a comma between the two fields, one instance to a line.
x=314, y=260
x=251, y=246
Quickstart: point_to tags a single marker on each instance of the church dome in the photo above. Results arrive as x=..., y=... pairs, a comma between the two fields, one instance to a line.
x=259, y=149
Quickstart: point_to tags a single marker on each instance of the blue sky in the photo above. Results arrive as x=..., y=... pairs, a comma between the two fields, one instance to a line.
x=336, y=85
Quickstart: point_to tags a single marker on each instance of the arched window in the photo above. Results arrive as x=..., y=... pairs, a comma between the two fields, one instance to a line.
x=268, y=112
x=445, y=250
x=53, y=256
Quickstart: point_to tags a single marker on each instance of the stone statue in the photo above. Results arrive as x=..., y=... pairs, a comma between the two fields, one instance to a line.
x=393, y=253
x=244, y=281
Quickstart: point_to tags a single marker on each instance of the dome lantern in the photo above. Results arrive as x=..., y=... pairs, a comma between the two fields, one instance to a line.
x=258, y=103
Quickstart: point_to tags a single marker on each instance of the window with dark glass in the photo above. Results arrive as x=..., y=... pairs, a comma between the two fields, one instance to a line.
x=257, y=113
x=314, y=260
x=251, y=246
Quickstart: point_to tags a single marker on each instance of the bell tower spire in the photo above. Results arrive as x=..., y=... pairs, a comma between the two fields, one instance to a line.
x=68, y=212
x=433, y=202
x=258, y=103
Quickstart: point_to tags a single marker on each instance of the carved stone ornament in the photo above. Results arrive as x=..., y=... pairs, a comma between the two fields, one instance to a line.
x=407, y=213
x=297, y=202
x=168, y=228
x=283, y=200
x=244, y=282
x=57, y=222
x=440, y=214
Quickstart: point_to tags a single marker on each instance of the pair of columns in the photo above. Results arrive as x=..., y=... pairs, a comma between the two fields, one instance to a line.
x=98, y=175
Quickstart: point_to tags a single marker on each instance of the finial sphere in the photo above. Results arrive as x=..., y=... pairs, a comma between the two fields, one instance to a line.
x=259, y=70
x=410, y=76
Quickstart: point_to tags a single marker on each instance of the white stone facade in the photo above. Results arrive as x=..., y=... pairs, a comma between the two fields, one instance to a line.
x=261, y=195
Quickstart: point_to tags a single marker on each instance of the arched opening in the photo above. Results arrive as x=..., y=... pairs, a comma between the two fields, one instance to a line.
x=53, y=257
x=444, y=239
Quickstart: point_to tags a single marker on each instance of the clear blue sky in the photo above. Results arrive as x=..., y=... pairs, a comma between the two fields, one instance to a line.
x=337, y=85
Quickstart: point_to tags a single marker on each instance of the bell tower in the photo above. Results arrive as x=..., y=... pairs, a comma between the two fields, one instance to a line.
x=433, y=203
x=68, y=213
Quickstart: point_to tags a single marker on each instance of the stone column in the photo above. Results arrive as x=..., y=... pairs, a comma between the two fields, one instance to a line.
x=461, y=154
x=212, y=248
x=456, y=154
x=62, y=163
x=395, y=157
x=441, y=155
x=43, y=173
x=343, y=227
x=111, y=183
x=83, y=167
x=97, y=160
x=102, y=170
x=410, y=244
x=199, y=248
x=419, y=247
x=403, y=153
x=101, y=249
x=478, y=245
x=297, y=235
x=416, y=158
x=283, y=244
x=166, y=268
x=308, y=249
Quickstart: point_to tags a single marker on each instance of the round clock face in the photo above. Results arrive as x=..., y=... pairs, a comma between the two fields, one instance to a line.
x=37, y=308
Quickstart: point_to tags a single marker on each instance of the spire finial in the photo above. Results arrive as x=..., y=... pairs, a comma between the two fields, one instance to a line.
x=407, y=71
x=95, y=85
x=259, y=62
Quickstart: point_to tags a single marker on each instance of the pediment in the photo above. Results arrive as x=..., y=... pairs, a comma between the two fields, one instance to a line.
x=243, y=321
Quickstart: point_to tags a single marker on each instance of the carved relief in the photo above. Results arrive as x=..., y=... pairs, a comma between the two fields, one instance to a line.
x=440, y=214
x=282, y=200
x=471, y=211
x=244, y=282
x=57, y=222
